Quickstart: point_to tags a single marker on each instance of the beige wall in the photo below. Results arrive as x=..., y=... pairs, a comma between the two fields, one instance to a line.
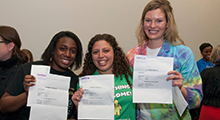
x=38, y=20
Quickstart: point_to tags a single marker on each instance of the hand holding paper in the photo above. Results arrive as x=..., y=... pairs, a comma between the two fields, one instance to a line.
x=29, y=80
x=150, y=79
x=49, y=97
x=98, y=97
x=77, y=97
x=176, y=77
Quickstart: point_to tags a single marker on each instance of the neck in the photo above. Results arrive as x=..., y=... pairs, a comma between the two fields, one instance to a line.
x=104, y=72
x=153, y=44
x=57, y=67
x=206, y=60
x=9, y=62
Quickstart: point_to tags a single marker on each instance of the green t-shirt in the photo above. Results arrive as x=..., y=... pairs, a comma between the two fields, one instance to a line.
x=124, y=107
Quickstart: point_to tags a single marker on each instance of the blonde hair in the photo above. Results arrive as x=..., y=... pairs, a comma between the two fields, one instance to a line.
x=215, y=55
x=170, y=34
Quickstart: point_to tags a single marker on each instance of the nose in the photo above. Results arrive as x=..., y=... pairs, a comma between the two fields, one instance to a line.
x=101, y=54
x=153, y=24
x=67, y=53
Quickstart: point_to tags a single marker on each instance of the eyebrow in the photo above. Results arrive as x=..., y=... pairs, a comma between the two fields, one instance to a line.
x=66, y=46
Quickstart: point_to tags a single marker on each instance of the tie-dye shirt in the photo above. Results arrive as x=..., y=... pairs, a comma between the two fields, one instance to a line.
x=184, y=62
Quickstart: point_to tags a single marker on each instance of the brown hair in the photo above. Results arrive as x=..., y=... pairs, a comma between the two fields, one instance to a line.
x=28, y=53
x=120, y=63
x=9, y=34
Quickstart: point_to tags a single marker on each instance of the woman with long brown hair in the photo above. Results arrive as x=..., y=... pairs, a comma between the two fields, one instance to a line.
x=11, y=58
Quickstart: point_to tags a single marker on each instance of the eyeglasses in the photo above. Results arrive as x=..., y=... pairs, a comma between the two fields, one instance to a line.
x=3, y=42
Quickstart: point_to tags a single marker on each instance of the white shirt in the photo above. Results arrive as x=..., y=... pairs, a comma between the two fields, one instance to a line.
x=145, y=107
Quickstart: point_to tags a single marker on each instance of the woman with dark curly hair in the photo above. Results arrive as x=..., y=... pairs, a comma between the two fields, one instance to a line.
x=104, y=56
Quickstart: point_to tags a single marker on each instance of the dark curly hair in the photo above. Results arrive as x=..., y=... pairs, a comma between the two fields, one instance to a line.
x=120, y=64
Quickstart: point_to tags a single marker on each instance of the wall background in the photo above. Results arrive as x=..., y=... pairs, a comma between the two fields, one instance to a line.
x=37, y=21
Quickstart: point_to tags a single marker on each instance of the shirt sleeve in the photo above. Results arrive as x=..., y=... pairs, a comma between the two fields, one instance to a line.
x=200, y=66
x=191, y=78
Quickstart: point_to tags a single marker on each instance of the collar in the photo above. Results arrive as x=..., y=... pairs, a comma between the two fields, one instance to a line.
x=9, y=63
x=96, y=73
x=163, y=51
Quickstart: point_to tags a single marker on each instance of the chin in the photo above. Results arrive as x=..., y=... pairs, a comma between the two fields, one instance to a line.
x=64, y=66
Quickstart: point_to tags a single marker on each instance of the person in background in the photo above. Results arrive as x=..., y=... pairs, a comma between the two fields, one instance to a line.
x=158, y=36
x=211, y=88
x=62, y=54
x=204, y=62
x=11, y=58
x=104, y=56
x=29, y=54
x=205, y=49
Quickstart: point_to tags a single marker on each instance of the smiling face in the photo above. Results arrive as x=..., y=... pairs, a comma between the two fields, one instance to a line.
x=155, y=24
x=103, y=57
x=206, y=53
x=64, y=54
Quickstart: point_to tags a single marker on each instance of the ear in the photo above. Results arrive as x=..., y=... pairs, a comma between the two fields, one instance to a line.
x=11, y=45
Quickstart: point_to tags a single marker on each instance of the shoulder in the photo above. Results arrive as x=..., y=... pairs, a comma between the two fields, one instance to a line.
x=34, y=63
x=182, y=49
x=182, y=52
x=15, y=67
x=26, y=65
x=179, y=49
x=200, y=60
x=206, y=72
x=215, y=69
x=38, y=63
x=133, y=50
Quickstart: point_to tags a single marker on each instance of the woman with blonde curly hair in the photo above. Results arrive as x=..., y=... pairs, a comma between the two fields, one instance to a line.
x=158, y=36
x=104, y=56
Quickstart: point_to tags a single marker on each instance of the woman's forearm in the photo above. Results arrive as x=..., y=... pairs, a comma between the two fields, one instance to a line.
x=11, y=103
x=184, y=92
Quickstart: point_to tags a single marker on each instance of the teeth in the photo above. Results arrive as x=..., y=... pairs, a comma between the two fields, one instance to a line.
x=101, y=62
x=65, y=61
x=153, y=31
